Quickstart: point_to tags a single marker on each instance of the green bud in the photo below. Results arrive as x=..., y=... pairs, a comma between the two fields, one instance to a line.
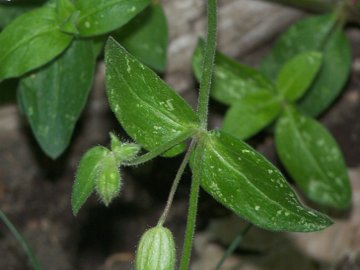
x=123, y=151
x=156, y=250
x=108, y=179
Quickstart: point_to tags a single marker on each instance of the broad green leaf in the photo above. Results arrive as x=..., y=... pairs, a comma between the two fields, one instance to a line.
x=108, y=182
x=86, y=176
x=147, y=108
x=232, y=80
x=54, y=96
x=102, y=16
x=30, y=41
x=146, y=37
x=297, y=75
x=316, y=33
x=246, y=183
x=313, y=159
x=251, y=114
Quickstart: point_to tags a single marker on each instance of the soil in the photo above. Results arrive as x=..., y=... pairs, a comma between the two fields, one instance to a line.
x=35, y=190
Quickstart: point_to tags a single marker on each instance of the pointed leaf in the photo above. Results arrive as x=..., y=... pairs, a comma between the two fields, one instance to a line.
x=319, y=34
x=313, y=159
x=297, y=75
x=245, y=182
x=30, y=41
x=102, y=16
x=232, y=80
x=86, y=176
x=251, y=114
x=146, y=37
x=148, y=109
x=53, y=97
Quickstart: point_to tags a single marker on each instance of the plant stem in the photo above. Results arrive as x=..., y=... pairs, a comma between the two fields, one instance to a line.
x=202, y=111
x=176, y=181
x=193, y=203
x=34, y=262
x=160, y=150
x=235, y=243
x=208, y=65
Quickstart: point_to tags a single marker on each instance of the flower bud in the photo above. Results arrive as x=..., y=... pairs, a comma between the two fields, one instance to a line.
x=123, y=151
x=108, y=182
x=156, y=250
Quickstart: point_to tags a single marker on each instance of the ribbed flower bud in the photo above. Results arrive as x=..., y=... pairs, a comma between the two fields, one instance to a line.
x=156, y=250
x=108, y=182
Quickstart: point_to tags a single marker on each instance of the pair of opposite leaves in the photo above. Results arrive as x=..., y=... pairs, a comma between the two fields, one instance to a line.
x=307, y=149
x=231, y=171
x=54, y=96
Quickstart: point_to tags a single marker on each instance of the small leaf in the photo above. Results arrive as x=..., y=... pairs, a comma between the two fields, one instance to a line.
x=332, y=76
x=148, y=109
x=108, y=182
x=251, y=114
x=30, y=41
x=317, y=33
x=313, y=159
x=86, y=176
x=297, y=75
x=67, y=16
x=53, y=97
x=98, y=17
x=232, y=80
x=146, y=37
x=245, y=182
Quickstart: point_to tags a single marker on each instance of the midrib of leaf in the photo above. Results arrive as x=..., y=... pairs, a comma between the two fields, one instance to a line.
x=308, y=153
x=96, y=10
x=27, y=40
x=250, y=183
x=158, y=112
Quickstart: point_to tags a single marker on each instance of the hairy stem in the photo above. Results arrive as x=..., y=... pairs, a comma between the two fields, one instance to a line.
x=208, y=65
x=235, y=243
x=160, y=150
x=203, y=104
x=176, y=181
x=193, y=204
x=34, y=262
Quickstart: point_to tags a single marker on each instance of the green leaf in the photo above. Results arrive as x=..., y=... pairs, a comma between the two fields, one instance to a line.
x=108, y=182
x=313, y=159
x=146, y=37
x=316, y=33
x=297, y=75
x=53, y=97
x=102, y=16
x=147, y=108
x=232, y=80
x=251, y=114
x=30, y=41
x=86, y=176
x=332, y=77
x=246, y=183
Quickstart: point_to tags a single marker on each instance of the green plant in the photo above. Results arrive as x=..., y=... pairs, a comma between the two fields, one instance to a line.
x=54, y=47
x=161, y=122
x=303, y=82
